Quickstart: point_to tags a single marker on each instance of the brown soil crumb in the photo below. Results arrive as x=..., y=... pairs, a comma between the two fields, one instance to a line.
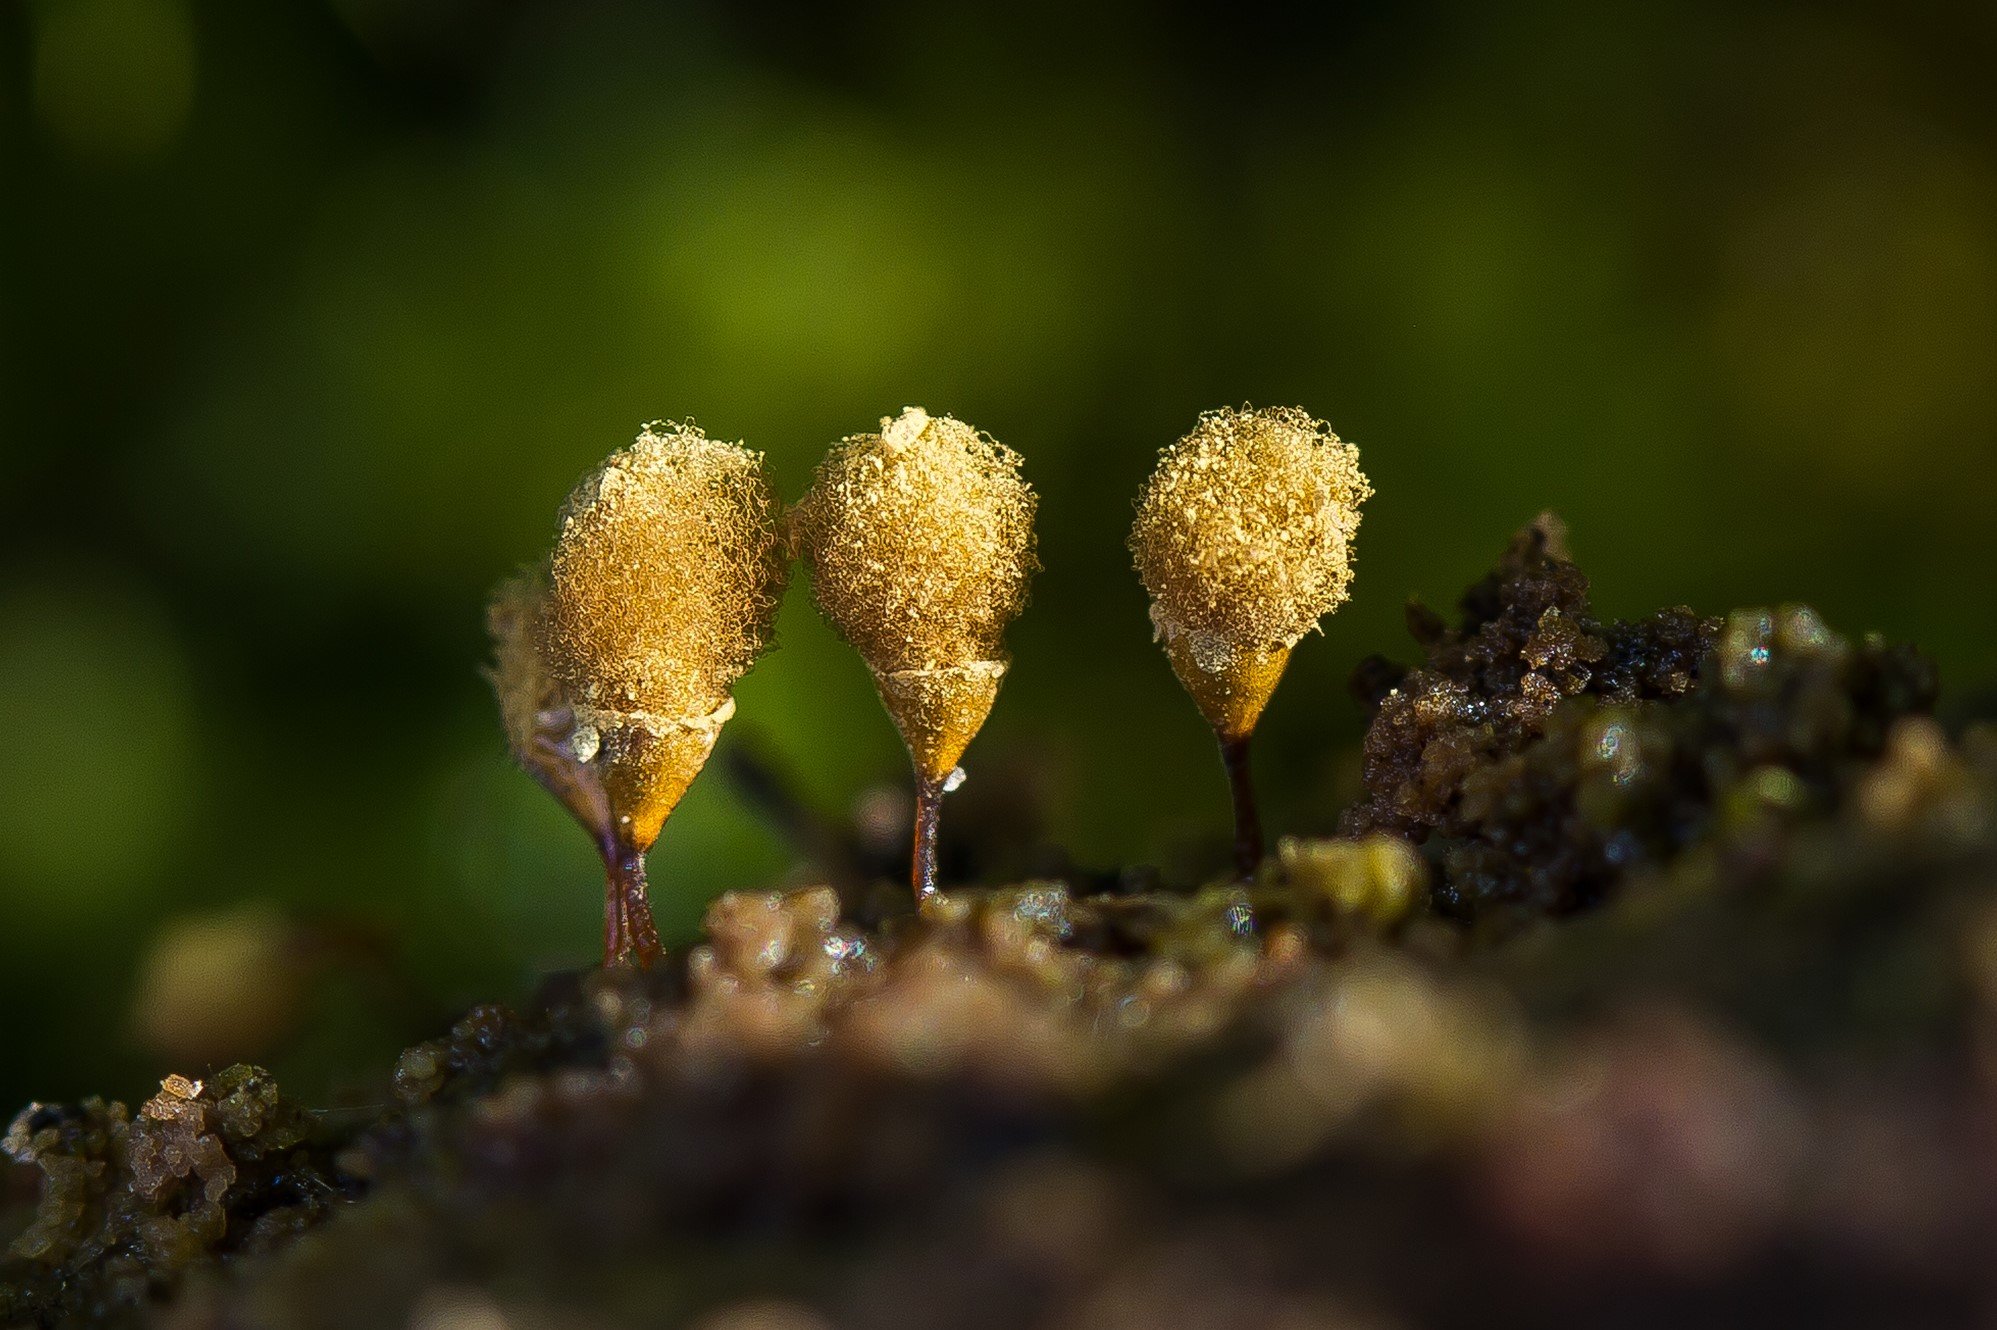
x=1539, y=756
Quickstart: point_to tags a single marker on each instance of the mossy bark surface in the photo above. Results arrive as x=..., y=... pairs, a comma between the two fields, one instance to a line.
x=1655, y=982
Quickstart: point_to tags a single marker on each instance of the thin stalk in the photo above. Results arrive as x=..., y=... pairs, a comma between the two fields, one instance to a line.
x=629, y=935
x=1247, y=821
x=928, y=813
x=613, y=922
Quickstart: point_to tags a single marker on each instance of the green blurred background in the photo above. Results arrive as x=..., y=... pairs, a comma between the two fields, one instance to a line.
x=310, y=313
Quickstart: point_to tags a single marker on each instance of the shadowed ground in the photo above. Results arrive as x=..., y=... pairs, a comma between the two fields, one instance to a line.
x=1656, y=982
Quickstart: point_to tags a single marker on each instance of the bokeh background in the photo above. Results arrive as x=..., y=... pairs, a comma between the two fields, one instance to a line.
x=311, y=312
